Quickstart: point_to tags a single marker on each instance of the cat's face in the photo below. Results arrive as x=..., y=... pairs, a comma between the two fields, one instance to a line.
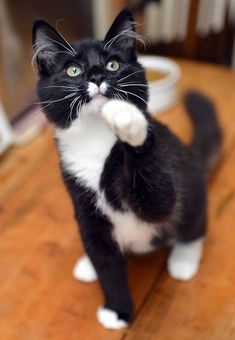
x=74, y=75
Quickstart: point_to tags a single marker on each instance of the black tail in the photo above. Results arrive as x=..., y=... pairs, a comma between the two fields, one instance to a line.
x=207, y=139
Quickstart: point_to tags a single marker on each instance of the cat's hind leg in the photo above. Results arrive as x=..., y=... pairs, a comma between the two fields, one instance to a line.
x=84, y=270
x=184, y=259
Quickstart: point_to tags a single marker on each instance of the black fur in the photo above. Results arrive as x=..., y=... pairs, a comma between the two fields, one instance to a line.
x=162, y=181
x=91, y=57
x=207, y=139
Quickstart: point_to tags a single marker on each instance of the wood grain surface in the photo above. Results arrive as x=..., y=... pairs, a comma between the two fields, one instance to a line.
x=39, y=244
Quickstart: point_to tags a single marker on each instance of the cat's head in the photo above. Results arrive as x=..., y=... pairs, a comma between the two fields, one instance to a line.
x=72, y=75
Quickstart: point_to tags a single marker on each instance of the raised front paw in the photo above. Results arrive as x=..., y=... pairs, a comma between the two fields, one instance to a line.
x=126, y=120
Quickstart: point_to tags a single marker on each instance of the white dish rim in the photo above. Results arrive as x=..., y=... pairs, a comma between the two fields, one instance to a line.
x=165, y=65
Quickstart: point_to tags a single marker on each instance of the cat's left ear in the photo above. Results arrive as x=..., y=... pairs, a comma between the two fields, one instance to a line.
x=48, y=44
x=122, y=31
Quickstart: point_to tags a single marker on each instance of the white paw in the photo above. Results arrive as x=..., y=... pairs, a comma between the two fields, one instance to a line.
x=84, y=270
x=182, y=270
x=126, y=120
x=109, y=319
x=184, y=260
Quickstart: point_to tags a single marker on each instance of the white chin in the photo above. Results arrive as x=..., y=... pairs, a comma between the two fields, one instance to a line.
x=98, y=97
x=96, y=104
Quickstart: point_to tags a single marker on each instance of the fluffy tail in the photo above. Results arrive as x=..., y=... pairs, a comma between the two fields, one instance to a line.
x=207, y=138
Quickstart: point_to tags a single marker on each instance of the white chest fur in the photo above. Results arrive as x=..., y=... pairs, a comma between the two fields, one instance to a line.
x=84, y=148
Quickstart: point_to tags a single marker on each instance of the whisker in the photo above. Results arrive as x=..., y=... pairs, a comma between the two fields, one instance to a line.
x=137, y=37
x=43, y=107
x=72, y=87
x=57, y=100
x=143, y=91
x=133, y=94
x=132, y=84
x=117, y=96
x=66, y=88
x=131, y=74
x=129, y=32
x=71, y=47
x=78, y=111
x=74, y=100
x=120, y=96
x=110, y=42
x=71, y=109
x=37, y=50
x=44, y=47
x=72, y=52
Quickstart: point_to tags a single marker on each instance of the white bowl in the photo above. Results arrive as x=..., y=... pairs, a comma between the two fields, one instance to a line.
x=162, y=92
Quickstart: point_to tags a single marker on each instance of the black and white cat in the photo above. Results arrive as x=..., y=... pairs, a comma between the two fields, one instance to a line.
x=134, y=185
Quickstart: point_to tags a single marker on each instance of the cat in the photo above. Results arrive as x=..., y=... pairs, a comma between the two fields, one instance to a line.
x=134, y=185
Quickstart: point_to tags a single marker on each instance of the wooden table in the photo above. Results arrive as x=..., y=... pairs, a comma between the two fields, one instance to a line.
x=39, y=244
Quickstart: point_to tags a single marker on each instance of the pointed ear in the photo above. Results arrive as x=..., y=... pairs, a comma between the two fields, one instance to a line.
x=47, y=45
x=122, y=31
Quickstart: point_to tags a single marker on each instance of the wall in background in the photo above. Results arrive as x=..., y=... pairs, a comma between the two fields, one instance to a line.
x=17, y=78
x=197, y=29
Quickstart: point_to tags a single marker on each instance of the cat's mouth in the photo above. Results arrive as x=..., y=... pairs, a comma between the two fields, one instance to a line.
x=97, y=92
x=98, y=96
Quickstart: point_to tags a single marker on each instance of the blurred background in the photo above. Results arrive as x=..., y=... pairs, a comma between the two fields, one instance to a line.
x=39, y=243
x=193, y=29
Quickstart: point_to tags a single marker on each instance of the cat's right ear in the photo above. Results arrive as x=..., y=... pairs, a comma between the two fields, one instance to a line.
x=122, y=31
x=47, y=44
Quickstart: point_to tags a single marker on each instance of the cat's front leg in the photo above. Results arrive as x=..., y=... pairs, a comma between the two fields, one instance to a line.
x=126, y=120
x=85, y=271
x=104, y=257
x=111, y=268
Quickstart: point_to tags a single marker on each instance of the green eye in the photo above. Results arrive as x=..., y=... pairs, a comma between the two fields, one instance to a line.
x=112, y=65
x=73, y=71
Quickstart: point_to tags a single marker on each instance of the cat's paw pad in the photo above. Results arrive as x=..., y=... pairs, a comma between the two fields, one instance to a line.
x=84, y=270
x=182, y=269
x=109, y=319
x=126, y=120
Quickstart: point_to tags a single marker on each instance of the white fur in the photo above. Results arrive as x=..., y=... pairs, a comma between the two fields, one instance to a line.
x=129, y=232
x=109, y=319
x=183, y=262
x=93, y=89
x=103, y=87
x=84, y=148
x=85, y=145
x=84, y=270
x=126, y=120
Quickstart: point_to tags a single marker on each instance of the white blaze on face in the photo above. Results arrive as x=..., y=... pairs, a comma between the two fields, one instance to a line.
x=103, y=87
x=93, y=89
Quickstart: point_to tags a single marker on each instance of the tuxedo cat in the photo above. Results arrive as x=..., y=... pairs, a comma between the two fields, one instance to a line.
x=134, y=185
